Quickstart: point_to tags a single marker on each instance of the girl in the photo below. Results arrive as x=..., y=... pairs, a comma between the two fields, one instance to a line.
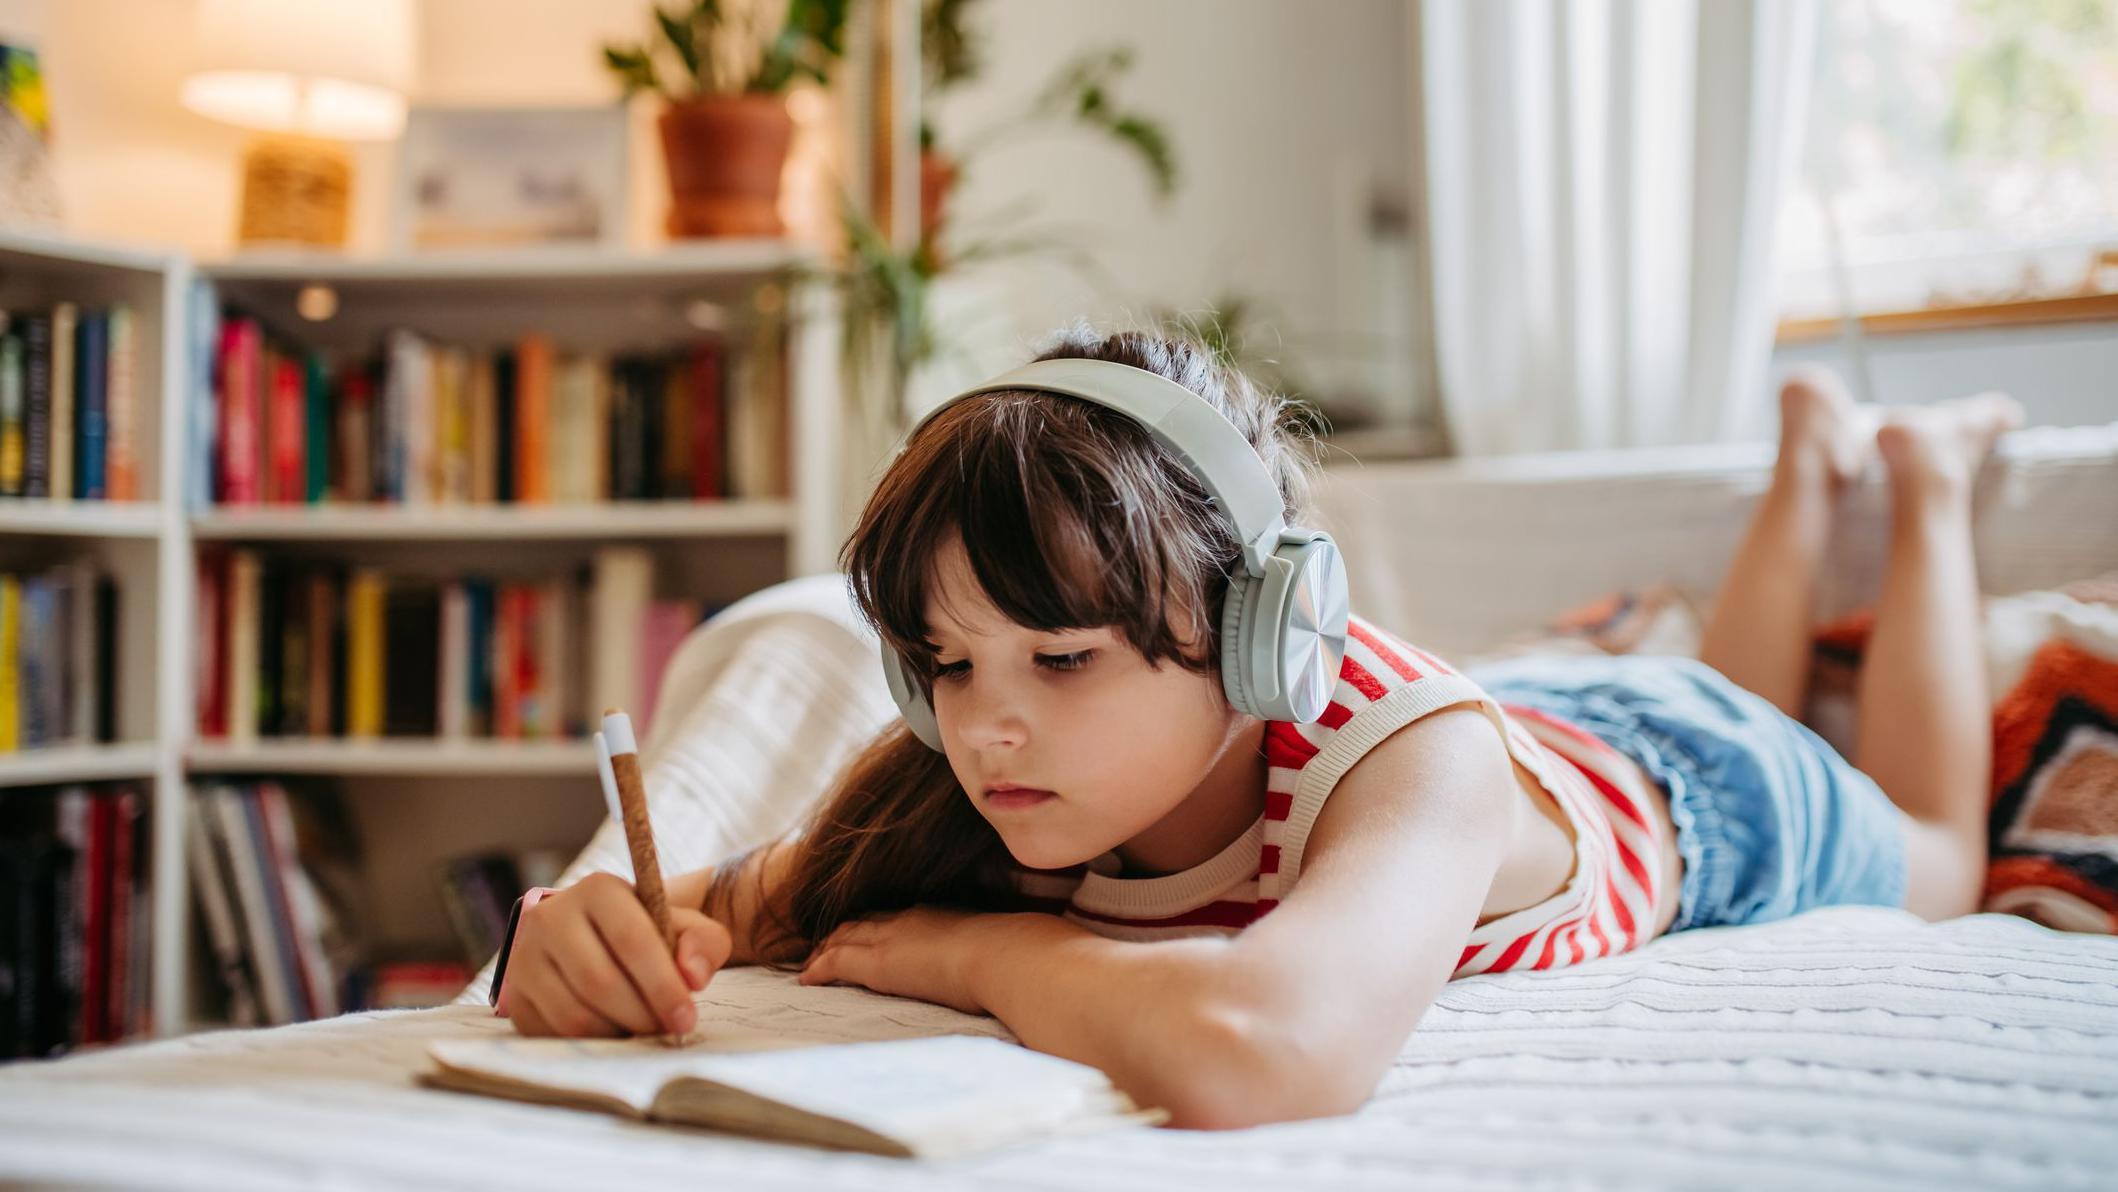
x=1241, y=919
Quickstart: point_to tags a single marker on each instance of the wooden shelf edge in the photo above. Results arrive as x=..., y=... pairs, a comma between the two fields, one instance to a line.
x=2073, y=308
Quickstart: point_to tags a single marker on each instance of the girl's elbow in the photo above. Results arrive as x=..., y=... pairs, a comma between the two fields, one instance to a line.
x=1253, y=1071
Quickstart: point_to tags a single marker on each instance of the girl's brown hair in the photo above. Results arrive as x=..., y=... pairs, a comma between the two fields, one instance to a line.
x=1072, y=517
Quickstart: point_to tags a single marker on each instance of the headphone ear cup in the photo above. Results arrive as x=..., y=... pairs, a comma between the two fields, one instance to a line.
x=1236, y=624
x=912, y=701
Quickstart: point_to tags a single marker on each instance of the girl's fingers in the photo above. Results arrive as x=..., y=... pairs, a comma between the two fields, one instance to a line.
x=642, y=957
x=703, y=946
x=596, y=981
x=557, y=1011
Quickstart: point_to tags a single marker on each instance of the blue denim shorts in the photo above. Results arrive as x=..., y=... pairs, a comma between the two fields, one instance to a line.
x=1771, y=820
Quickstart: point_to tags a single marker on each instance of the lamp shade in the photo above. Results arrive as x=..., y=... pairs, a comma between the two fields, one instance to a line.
x=325, y=68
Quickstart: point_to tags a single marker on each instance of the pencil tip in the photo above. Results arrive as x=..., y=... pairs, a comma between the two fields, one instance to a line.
x=612, y=711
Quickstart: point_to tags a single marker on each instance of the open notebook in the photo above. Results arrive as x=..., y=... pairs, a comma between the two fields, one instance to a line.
x=923, y=1097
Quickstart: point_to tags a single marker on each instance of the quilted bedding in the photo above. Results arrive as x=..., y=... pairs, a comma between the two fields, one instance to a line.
x=1852, y=1048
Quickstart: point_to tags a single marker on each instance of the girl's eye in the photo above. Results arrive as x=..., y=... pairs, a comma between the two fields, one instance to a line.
x=952, y=670
x=1066, y=662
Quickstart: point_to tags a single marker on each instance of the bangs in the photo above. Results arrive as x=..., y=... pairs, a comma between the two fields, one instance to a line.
x=1070, y=517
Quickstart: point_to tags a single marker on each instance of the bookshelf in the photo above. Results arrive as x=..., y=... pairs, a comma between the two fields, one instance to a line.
x=414, y=801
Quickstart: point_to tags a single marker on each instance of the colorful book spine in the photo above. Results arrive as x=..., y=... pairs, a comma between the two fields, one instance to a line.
x=203, y=331
x=356, y=430
x=316, y=433
x=706, y=424
x=483, y=432
x=364, y=654
x=122, y=406
x=533, y=397
x=212, y=643
x=13, y=422
x=245, y=629
x=242, y=358
x=36, y=404
x=10, y=675
x=285, y=434
x=65, y=318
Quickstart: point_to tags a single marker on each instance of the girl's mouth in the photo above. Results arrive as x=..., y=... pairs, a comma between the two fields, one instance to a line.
x=1010, y=798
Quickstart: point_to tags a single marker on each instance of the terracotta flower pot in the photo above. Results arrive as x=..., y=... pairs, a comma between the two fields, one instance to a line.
x=937, y=176
x=724, y=155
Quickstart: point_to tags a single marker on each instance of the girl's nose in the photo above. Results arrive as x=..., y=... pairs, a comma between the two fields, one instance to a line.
x=989, y=720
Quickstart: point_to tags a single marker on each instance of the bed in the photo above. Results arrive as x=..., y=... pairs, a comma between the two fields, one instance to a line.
x=1847, y=1048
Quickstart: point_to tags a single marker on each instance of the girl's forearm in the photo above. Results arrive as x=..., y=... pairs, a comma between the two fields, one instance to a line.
x=1174, y=1023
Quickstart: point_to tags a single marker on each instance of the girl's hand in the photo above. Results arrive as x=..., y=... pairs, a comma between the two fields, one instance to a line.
x=925, y=953
x=589, y=961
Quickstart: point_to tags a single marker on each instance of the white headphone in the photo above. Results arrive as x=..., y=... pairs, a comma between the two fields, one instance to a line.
x=1283, y=622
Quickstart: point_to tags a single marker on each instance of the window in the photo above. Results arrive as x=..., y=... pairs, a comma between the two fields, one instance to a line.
x=1967, y=152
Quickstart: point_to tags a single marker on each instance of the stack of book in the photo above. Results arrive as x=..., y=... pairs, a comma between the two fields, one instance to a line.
x=292, y=649
x=265, y=919
x=58, y=651
x=422, y=422
x=74, y=926
x=69, y=403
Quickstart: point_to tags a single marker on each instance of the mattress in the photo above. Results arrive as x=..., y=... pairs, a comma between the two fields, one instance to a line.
x=1846, y=1048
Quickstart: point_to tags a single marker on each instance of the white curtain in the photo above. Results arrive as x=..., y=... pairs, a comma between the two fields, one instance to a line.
x=1601, y=179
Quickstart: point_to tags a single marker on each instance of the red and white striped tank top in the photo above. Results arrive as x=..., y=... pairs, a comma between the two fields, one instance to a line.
x=1611, y=903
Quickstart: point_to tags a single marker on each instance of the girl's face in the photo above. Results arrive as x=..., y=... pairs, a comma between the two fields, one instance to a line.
x=1068, y=742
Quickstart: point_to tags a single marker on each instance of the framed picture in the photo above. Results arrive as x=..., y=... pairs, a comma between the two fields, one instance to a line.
x=510, y=178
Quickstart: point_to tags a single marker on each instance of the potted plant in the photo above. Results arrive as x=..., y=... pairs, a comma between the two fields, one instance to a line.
x=1080, y=92
x=724, y=68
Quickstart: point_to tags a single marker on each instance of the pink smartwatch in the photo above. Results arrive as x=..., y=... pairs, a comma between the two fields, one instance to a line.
x=497, y=996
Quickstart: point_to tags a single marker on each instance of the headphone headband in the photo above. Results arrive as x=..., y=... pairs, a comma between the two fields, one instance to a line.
x=1208, y=443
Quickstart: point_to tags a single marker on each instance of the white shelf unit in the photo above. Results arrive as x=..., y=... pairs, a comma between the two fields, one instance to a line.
x=410, y=798
x=145, y=545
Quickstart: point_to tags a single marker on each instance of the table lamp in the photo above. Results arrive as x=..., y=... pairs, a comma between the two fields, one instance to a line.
x=308, y=75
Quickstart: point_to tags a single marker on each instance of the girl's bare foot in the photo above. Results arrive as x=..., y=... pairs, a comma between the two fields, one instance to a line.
x=1938, y=448
x=1823, y=432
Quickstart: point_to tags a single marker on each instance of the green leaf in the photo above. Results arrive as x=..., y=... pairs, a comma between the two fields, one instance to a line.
x=635, y=71
x=682, y=30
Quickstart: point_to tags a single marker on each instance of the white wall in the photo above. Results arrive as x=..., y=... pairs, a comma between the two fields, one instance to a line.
x=1281, y=113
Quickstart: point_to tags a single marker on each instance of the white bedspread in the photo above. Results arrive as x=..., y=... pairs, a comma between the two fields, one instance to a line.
x=1848, y=1048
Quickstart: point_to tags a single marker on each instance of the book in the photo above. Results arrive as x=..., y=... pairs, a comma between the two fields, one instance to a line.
x=412, y=674
x=36, y=408
x=64, y=318
x=533, y=408
x=242, y=359
x=355, y=441
x=620, y=595
x=244, y=862
x=912, y=1098
x=122, y=406
x=13, y=417
x=213, y=885
x=316, y=435
x=244, y=596
x=202, y=330
x=104, y=675
x=10, y=674
x=365, y=663
x=286, y=427
x=482, y=431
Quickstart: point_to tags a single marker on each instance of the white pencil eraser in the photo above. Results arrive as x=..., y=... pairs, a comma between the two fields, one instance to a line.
x=618, y=727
